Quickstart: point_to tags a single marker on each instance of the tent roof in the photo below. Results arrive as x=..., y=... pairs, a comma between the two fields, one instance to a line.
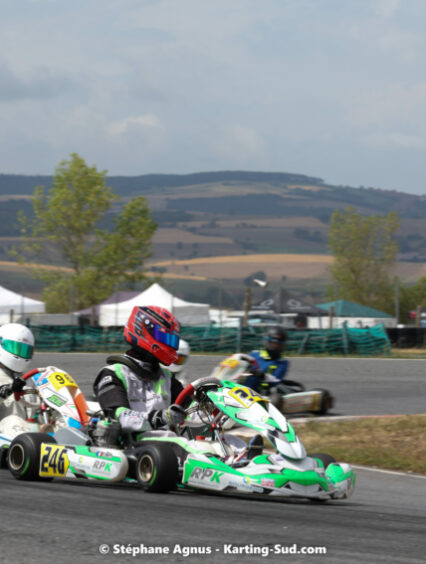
x=343, y=308
x=116, y=297
x=284, y=302
x=157, y=295
x=20, y=304
x=188, y=313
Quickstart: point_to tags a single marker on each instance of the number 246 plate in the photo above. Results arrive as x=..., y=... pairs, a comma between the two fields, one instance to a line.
x=53, y=460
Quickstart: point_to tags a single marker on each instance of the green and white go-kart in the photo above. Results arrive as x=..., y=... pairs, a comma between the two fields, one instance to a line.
x=200, y=458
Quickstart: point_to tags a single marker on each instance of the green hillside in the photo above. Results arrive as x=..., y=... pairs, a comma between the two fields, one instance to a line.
x=233, y=213
x=128, y=185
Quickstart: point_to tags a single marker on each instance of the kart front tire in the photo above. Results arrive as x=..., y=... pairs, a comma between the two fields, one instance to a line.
x=157, y=468
x=326, y=459
x=23, y=457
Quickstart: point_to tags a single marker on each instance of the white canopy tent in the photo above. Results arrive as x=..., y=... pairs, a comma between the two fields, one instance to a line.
x=187, y=313
x=13, y=306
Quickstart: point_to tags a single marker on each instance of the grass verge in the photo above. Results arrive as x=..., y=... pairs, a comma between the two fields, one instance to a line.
x=414, y=354
x=391, y=443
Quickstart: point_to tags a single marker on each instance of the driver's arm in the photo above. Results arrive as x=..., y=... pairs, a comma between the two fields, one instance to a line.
x=112, y=396
x=110, y=393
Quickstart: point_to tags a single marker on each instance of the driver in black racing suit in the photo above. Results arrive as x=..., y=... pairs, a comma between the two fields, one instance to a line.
x=133, y=388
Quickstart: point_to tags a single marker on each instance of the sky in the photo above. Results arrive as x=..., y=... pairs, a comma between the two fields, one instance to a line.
x=334, y=89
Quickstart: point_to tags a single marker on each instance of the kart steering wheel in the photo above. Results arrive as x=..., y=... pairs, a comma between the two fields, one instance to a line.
x=31, y=373
x=193, y=387
x=196, y=385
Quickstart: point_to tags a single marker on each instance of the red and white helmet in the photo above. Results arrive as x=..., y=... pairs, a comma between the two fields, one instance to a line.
x=16, y=347
x=155, y=330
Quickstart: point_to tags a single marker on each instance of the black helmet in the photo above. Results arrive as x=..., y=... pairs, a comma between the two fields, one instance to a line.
x=275, y=341
x=277, y=334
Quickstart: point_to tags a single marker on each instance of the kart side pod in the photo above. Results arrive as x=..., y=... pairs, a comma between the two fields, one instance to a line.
x=36, y=456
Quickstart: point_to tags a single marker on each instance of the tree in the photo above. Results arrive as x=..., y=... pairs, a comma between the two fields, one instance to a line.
x=364, y=252
x=65, y=231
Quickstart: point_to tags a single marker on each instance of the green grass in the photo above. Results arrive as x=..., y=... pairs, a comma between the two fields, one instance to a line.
x=392, y=443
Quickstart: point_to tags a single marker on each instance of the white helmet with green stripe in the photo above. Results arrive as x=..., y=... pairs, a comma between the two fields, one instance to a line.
x=16, y=347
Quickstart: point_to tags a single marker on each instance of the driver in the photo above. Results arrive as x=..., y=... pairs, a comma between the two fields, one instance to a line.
x=271, y=369
x=133, y=387
x=16, y=351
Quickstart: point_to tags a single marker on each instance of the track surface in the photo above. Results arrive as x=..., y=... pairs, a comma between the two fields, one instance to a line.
x=60, y=522
x=384, y=521
x=360, y=386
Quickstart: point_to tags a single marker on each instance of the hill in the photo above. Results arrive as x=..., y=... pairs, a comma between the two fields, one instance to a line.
x=237, y=213
x=130, y=185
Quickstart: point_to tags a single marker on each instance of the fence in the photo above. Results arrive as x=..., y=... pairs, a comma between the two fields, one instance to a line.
x=346, y=340
x=368, y=341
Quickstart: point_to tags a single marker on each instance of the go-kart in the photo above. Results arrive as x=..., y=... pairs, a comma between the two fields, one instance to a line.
x=52, y=388
x=199, y=456
x=55, y=402
x=289, y=397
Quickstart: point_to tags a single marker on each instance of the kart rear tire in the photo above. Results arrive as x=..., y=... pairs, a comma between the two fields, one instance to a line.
x=325, y=458
x=23, y=457
x=3, y=456
x=157, y=468
x=327, y=401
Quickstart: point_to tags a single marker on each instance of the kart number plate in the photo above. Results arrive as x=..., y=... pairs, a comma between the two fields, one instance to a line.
x=53, y=460
x=245, y=396
x=61, y=379
x=230, y=363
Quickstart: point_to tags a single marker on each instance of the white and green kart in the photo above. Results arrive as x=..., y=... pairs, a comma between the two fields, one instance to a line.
x=200, y=456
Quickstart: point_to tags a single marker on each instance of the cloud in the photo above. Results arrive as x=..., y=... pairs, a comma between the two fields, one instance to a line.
x=41, y=85
x=394, y=140
x=134, y=124
x=388, y=36
x=386, y=8
x=159, y=85
x=238, y=144
x=404, y=45
x=389, y=105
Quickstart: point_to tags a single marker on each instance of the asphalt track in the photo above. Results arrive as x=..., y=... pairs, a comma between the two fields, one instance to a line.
x=64, y=523
x=384, y=521
x=360, y=386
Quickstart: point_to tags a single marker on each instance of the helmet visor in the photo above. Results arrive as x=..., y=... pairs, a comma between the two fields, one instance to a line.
x=23, y=350
x=276, y=340
x=170, y=339
x=181, y=359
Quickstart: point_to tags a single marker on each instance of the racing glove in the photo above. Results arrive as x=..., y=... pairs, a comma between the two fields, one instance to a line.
x=170, y=417
x=16, y=386
x=258, y=373
x=131, y=421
